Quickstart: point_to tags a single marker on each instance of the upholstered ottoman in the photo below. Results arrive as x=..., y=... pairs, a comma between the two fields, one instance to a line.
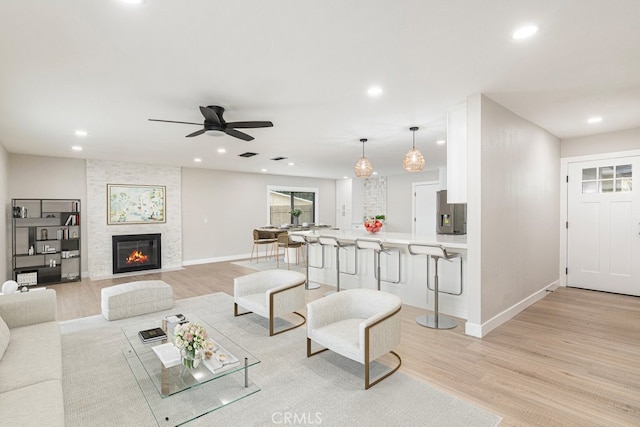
x=135, y=298
x=270, y=294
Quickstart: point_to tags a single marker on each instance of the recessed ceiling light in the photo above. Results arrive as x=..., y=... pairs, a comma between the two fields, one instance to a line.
x=524, y=32
x=595, y=119
x=197, y=160
x=76, y=148
x=345, y=177
x=132, y=1
x=222, y=150
x=81, y=132
x=263, y=170
x=291, y=164
x=440, y=141
x=375, y=173
x=374, y=91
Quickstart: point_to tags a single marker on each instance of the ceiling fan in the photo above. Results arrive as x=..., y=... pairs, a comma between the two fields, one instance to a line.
x=213, y=120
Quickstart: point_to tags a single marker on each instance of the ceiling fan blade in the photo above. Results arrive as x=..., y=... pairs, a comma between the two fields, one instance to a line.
x=210, y=115
x=172, y=121
x=247, y=125
x=238, y=134
x=196, y=133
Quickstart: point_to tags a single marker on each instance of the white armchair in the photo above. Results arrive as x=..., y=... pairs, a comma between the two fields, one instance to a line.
x=270, y=294
x=360, y=324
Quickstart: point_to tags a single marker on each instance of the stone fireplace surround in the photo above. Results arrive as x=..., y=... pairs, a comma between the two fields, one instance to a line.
x=99, y=174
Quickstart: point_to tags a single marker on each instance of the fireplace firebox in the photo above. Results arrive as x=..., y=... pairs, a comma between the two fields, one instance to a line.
x=136, y=252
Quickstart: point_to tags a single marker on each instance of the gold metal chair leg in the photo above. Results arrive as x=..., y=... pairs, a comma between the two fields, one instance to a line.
x=271, y=328
x=368, y=384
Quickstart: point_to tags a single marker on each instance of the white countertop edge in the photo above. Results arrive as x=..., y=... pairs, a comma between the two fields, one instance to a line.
x=449, y=241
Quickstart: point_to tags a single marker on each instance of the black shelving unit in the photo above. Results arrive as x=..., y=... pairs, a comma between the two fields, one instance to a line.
x=46, y=241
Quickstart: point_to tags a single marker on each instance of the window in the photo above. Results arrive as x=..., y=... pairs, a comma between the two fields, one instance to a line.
x=283, y=200
x=607, y=179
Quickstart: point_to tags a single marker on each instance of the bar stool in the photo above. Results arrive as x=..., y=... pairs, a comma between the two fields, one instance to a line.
x=286, y=242
x=308, y=240
x=334, y=242
x=378, y=248
x=436, y=252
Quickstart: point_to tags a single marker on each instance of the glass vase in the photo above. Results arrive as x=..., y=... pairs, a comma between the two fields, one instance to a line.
x=190, y=358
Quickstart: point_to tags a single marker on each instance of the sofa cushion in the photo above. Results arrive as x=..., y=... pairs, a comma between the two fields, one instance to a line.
x=5, y=335
x=35, y=355
x=39, y=404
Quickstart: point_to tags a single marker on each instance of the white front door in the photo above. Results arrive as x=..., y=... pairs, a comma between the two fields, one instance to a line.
x=603, y=235
x=424, y=208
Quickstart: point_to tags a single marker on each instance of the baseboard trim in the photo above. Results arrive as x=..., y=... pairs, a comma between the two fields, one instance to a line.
x=480, y=330
x=217, y=259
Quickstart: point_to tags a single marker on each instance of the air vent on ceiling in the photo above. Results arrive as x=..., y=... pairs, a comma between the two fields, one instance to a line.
x=278, y=158
x=248, y=154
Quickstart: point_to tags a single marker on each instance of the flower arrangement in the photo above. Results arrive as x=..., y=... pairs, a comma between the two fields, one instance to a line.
x=296, y=212
x=190, y=338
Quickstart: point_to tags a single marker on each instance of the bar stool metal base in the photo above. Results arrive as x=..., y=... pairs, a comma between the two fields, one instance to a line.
x=429, y=321
x=311, y=286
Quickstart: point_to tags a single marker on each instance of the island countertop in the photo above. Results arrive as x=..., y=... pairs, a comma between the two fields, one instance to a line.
x=448, y=241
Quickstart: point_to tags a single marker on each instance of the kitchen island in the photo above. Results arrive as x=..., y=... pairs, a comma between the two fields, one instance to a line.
x=412, y=287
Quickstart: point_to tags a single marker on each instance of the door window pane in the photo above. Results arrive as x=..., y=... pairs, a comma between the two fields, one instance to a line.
x=606, y=172
x=623, y=171
x=623, y=185
x=606, y=186
x=590, y=187
x=591, y=173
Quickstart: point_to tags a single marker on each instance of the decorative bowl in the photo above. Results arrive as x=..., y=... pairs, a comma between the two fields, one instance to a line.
x=373, y=225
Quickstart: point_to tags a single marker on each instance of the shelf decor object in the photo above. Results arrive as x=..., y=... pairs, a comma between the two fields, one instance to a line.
x=414, y=160
x=136, y=204
x=363, y=168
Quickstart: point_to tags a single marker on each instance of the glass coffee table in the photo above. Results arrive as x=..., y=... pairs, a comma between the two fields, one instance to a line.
x=177, y=395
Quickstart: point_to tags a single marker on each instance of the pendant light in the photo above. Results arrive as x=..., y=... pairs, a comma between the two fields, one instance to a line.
x=363, y=168
x=414, y=160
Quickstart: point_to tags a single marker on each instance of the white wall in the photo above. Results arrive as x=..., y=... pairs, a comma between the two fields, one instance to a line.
x=99, y=174
x=624, y=140
x=519, y=187
x=5, y=232
x=39, y=177
x=221, y=209
x=400, y=199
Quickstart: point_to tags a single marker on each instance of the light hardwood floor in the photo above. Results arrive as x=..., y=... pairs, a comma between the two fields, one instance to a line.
x=572, y=359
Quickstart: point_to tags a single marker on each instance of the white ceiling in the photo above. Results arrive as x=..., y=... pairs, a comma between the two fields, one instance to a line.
x=106, y=67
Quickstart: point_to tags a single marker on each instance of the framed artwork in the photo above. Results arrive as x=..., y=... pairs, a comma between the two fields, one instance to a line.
x=135, y=204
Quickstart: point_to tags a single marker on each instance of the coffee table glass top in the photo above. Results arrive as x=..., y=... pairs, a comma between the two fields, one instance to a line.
x=176, y=394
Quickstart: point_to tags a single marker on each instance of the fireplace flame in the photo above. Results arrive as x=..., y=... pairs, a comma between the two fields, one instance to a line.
x=137, y=257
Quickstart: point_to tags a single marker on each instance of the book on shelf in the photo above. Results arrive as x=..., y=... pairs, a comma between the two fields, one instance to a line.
x=72, y=220
x=151, y=335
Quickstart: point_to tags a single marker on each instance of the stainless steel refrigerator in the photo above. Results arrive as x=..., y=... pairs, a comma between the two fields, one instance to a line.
x=451, y=217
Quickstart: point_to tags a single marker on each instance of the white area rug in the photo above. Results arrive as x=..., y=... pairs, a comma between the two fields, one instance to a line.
x=326, y=389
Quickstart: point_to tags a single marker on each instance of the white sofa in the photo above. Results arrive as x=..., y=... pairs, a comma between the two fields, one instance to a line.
x=30, y=360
